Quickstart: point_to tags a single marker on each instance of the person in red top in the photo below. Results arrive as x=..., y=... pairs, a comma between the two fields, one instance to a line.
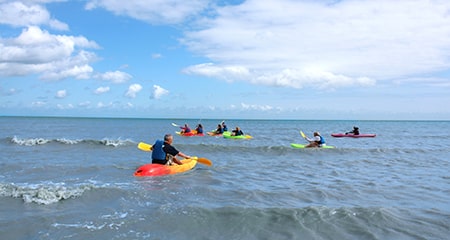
x=185, y=129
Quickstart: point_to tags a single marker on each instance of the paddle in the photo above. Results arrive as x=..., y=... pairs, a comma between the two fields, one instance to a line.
x=175, y=125
x=147, y=147
x=303, y=135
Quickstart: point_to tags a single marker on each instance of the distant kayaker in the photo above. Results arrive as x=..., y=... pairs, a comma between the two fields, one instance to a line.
x=185, y=129
x=237, y=132
x=316, y=141
x=355, y=131
x=199, y=128
x=224, y=126
x=164, y=153
x=219, y=129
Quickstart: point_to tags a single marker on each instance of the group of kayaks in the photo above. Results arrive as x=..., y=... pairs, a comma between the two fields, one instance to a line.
x=337, y=135
x=188, y=164
x=225, y=134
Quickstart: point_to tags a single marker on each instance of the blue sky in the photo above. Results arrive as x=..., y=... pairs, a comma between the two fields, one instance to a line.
x=263, y=59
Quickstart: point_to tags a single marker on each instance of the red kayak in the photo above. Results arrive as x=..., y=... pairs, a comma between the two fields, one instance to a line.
x=353, y=135
x=190, y=134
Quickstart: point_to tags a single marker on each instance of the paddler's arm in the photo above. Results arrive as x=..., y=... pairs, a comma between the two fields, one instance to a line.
x=181, y=155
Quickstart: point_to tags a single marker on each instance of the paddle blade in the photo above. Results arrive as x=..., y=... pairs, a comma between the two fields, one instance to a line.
x=205, y=161
x=145, y=146
x=303, y=135
x=175, y=125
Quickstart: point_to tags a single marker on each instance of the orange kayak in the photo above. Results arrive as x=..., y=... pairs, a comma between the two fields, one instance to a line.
x=160, y=170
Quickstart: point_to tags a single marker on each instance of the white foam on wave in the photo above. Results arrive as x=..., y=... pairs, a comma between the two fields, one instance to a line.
x=67, y=141
x=41, y=141
x=43, y=194
x=29, y=141
x=116, y=142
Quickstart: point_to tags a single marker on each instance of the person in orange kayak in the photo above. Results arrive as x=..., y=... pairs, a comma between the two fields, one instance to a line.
x=316, y=141
x=185, y=129
x=219, y=129
x=199, y=128
x=164, y=153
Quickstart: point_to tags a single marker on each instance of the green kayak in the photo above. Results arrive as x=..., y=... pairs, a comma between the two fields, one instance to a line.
x=298, y=145
x=228, y=135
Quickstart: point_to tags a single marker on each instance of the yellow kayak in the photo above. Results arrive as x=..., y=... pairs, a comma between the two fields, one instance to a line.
x=159, y=169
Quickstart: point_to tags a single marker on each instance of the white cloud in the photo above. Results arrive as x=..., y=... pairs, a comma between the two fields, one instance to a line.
x=156, y=55
x=101, y=90
x=65, y=107
x=38, y=104
x=9, y=92
x=19, y=14
x=84, y=104
x=323, y=44
x=115, y=77
x=55, y=57
x=61, y=94
x=155, y=11
x=133, y=89
x=224, y=72
x=158, y=92
x=103, y=105
x=256, y=107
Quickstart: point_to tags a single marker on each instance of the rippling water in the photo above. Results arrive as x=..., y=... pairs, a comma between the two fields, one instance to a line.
x=73, y=178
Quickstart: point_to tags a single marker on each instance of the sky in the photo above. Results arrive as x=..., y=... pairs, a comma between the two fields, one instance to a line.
x=226, y=59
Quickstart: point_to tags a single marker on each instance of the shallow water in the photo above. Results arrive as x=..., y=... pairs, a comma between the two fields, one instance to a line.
x=73, y=178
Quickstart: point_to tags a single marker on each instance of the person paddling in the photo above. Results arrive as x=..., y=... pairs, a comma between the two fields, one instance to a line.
x=355, y=131
x=164, y=153
x=316, y=141
x=185, y=129
x=237, y=132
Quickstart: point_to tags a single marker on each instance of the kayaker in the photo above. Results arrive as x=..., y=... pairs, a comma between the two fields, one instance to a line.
x=316, y=141
x=185, y=129
x=237, y=132
x=219, y=129
x=224, y=126
x=355, y=131
x=199, y=128
x=164, y=153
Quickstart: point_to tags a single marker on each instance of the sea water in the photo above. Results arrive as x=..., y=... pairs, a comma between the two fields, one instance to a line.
x=72, y=178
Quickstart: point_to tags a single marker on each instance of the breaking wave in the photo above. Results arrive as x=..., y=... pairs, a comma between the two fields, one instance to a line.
x=43, y=194
x=41, y=141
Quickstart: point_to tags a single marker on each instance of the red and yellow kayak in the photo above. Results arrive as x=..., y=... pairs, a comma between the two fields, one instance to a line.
x=190, y=134
x=160, y=170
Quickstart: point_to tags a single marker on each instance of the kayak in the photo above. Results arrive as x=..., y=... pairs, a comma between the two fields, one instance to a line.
x=190, y=134
x=213, y=133
x=228, y=135
x=153, y=169
x=352, y=135
x=298, y=145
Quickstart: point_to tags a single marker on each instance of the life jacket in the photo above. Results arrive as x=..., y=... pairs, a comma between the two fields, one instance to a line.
x=158, y=152
x=322, y=140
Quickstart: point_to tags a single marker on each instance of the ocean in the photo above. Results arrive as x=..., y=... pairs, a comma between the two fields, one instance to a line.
x=72, y=178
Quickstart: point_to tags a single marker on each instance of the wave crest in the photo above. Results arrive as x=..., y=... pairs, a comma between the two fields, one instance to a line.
x=41, y=141
x=43, y=194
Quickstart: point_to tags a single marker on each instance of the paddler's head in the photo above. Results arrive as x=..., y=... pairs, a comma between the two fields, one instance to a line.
x=168, y=138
